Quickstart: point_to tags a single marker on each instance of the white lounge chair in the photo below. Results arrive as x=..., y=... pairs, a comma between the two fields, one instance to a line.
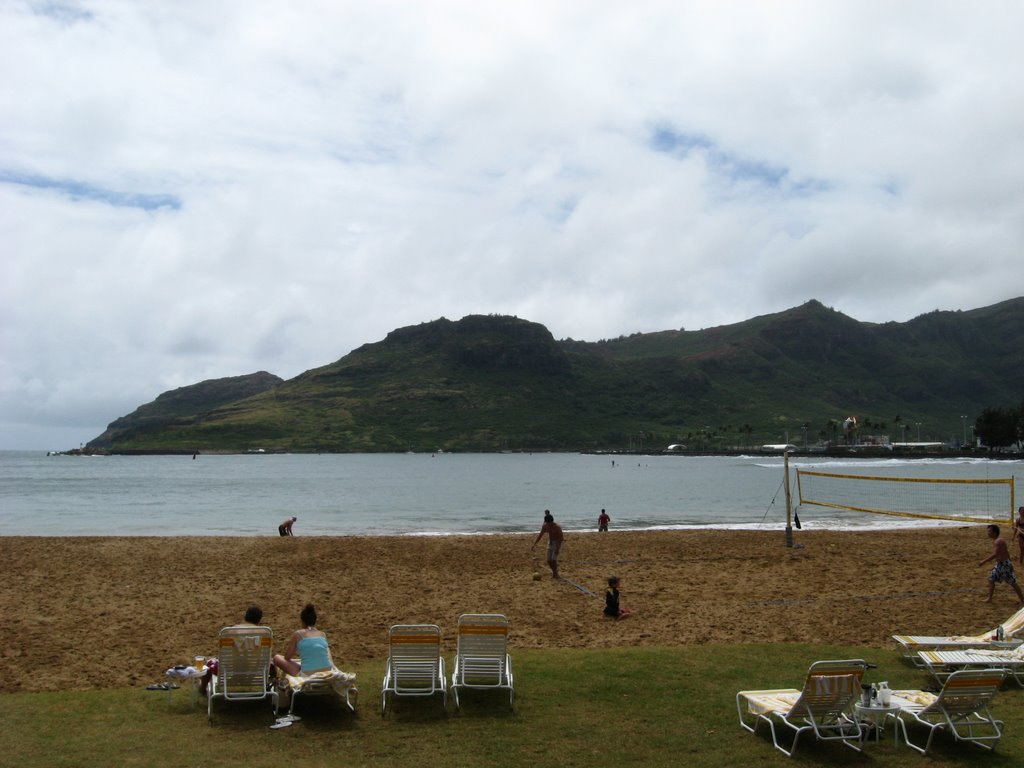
x=824, y=707
x=482, y=659
x=941, y=664
x=415, y=666
x=325, y=683
x=961, y=708
x=1013, y=632
x=244, y=655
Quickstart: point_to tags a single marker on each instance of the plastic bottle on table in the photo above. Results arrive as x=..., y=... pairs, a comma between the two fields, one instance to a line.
x=884, y=694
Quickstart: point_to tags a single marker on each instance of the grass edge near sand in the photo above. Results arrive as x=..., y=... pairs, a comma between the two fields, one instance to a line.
x=651, y=706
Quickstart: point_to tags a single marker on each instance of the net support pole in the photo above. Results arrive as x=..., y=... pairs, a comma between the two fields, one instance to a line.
x=789, y=501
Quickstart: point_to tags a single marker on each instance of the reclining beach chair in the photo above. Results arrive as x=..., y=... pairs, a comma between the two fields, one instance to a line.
x=824, y=707
x=941, y=664
x=415, y=666
x=961, y=707
x=244, y=654
x=482, y=659
x=326, y=683
x=911, y=645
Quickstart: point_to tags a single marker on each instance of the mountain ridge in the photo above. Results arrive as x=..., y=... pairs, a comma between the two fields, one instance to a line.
x=497, y=382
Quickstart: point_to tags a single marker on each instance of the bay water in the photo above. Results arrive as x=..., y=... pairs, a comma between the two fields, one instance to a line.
x=425, y=494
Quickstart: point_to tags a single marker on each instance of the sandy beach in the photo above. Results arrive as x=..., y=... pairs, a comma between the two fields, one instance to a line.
x=112, y=612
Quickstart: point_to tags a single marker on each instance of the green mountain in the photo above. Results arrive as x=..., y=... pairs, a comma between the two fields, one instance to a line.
x=179, y=407
x=496, y=382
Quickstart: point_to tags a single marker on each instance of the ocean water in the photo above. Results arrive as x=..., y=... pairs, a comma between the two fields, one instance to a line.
x=424, y=494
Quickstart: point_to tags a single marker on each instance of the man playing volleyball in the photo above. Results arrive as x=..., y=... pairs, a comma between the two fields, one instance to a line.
x=555, y=538
x=1003, y=570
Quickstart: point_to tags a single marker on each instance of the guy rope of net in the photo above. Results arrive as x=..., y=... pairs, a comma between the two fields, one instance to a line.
x=962, y=500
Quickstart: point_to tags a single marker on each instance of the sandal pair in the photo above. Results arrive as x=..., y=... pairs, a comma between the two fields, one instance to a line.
x=285, y=721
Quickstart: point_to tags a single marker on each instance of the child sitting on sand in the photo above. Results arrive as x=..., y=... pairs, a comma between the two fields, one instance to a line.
x=611, y=600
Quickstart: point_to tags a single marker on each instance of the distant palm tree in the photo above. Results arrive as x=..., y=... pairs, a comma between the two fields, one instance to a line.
x=746, y=428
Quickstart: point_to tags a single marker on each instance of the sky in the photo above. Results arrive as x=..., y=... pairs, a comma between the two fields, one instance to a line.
x=210, y=188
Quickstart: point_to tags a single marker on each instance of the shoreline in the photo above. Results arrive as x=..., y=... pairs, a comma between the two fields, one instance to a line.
x=481, y=495
x=773, y=528
x=133, y=606
x=871, y=524
x=867, y=452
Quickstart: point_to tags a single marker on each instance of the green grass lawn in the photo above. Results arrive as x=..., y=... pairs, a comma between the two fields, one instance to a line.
x=621, y=707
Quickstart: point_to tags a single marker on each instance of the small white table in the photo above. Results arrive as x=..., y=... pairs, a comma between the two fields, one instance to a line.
x=874, y=715
x=190, y=674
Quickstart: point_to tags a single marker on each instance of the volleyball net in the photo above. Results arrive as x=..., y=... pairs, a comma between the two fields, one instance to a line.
x=963, y=500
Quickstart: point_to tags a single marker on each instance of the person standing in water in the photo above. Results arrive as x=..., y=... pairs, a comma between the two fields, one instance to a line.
x=285, y=528
x=602, y=521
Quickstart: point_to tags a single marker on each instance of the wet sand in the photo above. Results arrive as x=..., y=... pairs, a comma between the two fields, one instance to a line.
x=112, y=612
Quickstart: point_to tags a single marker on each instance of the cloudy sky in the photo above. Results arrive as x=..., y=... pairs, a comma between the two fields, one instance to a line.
x=208, y=188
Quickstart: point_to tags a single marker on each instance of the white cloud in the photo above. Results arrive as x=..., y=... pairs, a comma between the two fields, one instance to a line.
x=206, y=189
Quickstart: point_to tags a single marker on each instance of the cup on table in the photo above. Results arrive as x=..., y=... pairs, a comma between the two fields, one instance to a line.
x=200, y=664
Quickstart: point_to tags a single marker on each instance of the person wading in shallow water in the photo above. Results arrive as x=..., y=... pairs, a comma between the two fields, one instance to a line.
x=555, y=539
x=285, y=528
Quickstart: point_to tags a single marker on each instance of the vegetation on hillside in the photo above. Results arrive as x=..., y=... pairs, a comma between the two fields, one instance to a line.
x=502, y=383
x=1001, y=427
